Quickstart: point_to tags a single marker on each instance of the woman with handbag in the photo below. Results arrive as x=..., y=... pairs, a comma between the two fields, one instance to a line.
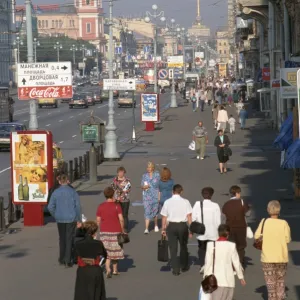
x=221, y=257
x=111, y=223
x=222, y=143
x=272, y=237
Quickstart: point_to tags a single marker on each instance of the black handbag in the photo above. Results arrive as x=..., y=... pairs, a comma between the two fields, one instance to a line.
x=210, y=283
x=227, y=151
x=163, y=249
x=123, y=238
x=197, y=227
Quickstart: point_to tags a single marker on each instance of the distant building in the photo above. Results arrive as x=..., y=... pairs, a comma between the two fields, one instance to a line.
x=198, y=29
x=82, y=20
x=223, y=46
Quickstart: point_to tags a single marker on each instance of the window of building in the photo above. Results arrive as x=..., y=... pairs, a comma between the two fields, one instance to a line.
x=225, y=51
x=60, y=23
x=56, y=23
x=70, y=23
x=39, y=23
x=220, y=44
x=88, y=2
x=46, y=23
x=88, y=27
x=220, y=51
x=73, y=23
x=224, y=43
x=43, y=23
x=53, y=23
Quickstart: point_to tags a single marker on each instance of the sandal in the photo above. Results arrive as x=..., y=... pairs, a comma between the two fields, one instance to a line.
x=116, y=273
x=108, y=275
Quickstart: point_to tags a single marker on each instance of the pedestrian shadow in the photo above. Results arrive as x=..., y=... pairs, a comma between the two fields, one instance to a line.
x=4, y=247
x=48, y=219
x=297, y=291
x=166, y=268
x=248, y=262
x=295, y=254
x=132, y=224
x=263, y=291
x=126, y=264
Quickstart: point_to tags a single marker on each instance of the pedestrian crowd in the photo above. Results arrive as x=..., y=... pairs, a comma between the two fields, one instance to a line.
x=98, y=245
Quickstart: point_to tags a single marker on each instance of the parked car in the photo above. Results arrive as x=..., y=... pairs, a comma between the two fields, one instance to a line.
x=65, y=100
x=78, y=100
x=94, y=82
x=126, y=98
x=5, y=130
x=42, y=102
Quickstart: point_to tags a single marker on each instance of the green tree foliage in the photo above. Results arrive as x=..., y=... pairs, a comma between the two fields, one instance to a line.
x=47, y=53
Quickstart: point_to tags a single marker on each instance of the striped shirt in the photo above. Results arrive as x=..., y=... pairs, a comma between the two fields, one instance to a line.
x=199, y=131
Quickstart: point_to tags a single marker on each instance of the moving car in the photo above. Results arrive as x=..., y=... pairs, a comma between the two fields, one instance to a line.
x=42, y=102
x=90, y=98
x=126, y=98
x=94, y=82
x=5, y=130
x=78, y=101
x=97, y=98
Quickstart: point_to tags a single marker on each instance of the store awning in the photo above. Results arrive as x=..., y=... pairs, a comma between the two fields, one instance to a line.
x=285, y=137
x=292, y=157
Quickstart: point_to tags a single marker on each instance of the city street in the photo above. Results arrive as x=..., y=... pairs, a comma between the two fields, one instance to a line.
x=64, y=125
x=28, y=257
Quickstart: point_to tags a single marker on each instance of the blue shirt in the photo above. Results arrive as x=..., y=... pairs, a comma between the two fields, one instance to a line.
x=166, y=190
x=243, y=114
x=64, y=205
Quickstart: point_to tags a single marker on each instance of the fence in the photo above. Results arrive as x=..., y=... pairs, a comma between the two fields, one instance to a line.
x=75, y=169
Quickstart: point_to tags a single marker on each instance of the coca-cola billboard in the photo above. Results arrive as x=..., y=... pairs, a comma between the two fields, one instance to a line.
x=28, y=93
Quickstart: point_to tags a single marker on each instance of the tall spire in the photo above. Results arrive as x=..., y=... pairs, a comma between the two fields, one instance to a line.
x=198, y=18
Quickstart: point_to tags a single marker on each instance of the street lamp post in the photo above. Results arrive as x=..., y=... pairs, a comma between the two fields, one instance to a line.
x=58, y=46
x=182, y=36
x=83, y=49
x=36, y=43
x=74, y=49
x=33, y=122
x=97, y=58
x=17, y=44
x=111, y=152
x=155, y=16
x=172, y=29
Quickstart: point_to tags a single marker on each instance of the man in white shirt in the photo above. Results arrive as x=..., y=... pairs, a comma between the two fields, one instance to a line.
x=177, y=212
x=211, y=220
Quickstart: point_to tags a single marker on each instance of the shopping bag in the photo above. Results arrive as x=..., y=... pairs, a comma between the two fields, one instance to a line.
x=250, y=234
x=192, y=146
x=163, y=250
x=203, y=296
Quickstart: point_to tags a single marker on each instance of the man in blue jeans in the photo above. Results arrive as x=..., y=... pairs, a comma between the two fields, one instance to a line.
x=64, y=206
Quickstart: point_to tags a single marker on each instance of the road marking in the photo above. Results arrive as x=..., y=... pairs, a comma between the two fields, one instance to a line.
x=47, y=125
x=25, y=120
x=71, y=117
x=49, y=114
x=38, y=116
x=60, y=120
x=4, y=170
x=61, y=142
x=74, y=135
x=80, y=114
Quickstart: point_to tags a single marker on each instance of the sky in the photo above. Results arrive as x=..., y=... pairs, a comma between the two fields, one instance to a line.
x=213, y=12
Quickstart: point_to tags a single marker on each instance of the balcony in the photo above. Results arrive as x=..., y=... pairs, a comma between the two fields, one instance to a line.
x=254, y=9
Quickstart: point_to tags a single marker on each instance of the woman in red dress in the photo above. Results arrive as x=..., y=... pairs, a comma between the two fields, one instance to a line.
x=111, y=223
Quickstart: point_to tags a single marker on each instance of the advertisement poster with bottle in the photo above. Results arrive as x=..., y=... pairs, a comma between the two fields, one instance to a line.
x=149, y=108
x=30, y=167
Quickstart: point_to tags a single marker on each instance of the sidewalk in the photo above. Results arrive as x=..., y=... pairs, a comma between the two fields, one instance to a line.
x=30, y=255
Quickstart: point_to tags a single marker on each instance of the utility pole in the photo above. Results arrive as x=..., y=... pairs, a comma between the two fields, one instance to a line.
x=36, y=43
x=33, y=122
x=111, y=152
x=83, y=49
x=58, y=46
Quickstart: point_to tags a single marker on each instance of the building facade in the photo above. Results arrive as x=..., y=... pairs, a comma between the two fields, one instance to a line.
x=223, y=46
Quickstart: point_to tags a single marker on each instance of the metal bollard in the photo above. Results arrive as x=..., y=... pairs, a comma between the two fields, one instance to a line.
x=2, y=217
x=93, y=164
x=71, y=171
x=76, y=171
x=84, y=164
x=98, y=155
x=88, y=161
x=101, y=154
x=13, y=210
x=80, y=167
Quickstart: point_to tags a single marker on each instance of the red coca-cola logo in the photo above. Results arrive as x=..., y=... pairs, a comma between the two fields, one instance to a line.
x=50, y=92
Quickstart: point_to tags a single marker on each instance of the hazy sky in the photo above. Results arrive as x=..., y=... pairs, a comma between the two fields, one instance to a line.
x=183, y=11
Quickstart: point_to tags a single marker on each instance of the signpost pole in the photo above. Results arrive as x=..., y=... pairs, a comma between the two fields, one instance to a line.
x=173, y=93
x=93, y=164
x=110, y=152
x=33, y=123
x=133, y=139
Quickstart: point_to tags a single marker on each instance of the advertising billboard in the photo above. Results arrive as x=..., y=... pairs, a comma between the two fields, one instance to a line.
x=222, y=70
x=31, y=166
x=288, y=83
x=149, y=108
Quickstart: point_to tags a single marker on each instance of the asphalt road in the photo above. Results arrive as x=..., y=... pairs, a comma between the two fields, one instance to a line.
x=64, y=125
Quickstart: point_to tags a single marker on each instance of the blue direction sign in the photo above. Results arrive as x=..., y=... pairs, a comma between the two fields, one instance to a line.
x=118, y=50
x=147, y=49
x=163, y=74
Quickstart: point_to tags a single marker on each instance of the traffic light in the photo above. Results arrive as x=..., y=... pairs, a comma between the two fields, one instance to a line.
x=171, y=73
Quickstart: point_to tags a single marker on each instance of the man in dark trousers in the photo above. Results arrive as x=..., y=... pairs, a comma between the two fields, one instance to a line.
x=64, y=206
x=177, y=212
x=235, y=211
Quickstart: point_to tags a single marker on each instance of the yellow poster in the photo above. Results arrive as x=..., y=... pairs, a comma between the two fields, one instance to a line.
x=29, y=167
x=222, y=70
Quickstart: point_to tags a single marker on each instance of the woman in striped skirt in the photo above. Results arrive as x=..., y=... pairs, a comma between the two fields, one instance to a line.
x=111, y=223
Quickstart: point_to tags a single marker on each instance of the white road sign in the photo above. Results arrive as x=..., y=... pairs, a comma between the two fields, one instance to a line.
x=44, y=74
x=119, y=84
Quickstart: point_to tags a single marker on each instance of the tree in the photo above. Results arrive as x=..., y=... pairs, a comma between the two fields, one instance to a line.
x=47, y=53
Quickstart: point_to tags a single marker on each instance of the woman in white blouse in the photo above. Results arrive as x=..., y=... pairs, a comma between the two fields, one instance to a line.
x=222, y=119
x=226, y=257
